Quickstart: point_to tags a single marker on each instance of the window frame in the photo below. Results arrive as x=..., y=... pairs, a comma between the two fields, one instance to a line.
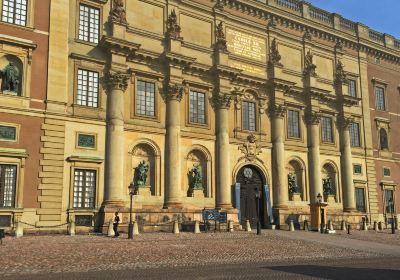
x=332, y=142
x=298, y=124
x=77, y=21
x=197, y=91
x=387, y=139
x=392, y=189
x=135, y=103
x=77, y=84
x=85, y=133
x=96, y=189
x=17, y=132
x=15, y=188
x=354, y=166
x=383, y=172
x=352, y=79
x=28, y=16
x=358, y=135
x=364, y=210
x=255, y=116
x=379, y=86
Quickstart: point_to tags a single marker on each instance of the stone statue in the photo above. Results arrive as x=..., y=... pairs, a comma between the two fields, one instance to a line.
x=340, y=73
x=173, y=28
x=309, y=66
x=220, y=38
x=274, y=56
x=118, y=13
x=292, y=183
x=197, y=177
x=10, y=76
x=142, y=171
x=327, y=186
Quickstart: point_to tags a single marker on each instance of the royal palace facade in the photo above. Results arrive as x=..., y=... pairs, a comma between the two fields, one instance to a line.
x=197, y=104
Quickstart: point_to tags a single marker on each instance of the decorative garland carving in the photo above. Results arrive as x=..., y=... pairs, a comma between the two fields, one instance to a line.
x=220, y=43
x=117, y=80
x=173, y=28
x=118, y=13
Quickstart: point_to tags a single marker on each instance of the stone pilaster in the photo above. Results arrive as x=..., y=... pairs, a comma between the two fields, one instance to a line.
x=349, y=202
x=117, y=83
x=223, y=188
x=277, y=113
x=313, y=119
x=173, y=97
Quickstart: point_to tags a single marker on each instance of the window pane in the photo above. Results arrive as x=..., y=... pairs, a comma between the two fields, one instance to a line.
x=84, y=188
x=249, y=116
x=89, y=23
x=293, y=124
x=355, y=134
x=15, y=11
x=326, y=126
x=87, y=88
x=352, y=88
x=360, y=199
x=8, y=179
x=197, y=107
x=389, y=203
x=145, y=98
x=380, y=99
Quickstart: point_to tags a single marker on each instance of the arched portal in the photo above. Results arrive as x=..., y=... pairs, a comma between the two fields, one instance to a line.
x=251, y=180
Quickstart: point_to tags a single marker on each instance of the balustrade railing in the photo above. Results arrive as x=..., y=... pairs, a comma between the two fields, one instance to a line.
x=376, y=36
x=347, y=24
x=320, y=15
x=397, y=44
x=290, y=4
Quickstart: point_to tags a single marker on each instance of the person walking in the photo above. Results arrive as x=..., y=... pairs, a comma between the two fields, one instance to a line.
x=115, y=224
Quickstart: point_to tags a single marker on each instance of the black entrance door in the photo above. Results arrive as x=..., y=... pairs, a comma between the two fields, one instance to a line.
x=250, y=180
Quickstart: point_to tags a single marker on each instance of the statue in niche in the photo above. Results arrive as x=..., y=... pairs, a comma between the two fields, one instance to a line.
x=10, y=76
x=197, y=177
x=327, y=186
x=141, y=173
x=292, y=183
x=118, y=13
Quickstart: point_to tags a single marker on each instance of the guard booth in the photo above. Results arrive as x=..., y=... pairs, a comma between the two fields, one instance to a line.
x=318, y=215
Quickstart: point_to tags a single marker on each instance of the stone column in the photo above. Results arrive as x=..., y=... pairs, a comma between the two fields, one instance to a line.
x=172, y=168
x=117, y=83
x=349, y=202
x=314, y=162
x=279, y=180
x=223, y=175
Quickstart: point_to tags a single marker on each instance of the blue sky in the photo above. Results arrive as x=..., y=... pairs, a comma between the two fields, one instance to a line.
x=382, y=15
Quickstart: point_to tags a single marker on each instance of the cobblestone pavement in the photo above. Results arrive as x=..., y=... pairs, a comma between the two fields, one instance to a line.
x=384, y=236
x=91, y=255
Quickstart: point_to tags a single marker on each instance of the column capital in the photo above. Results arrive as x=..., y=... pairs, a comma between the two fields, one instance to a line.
x=277, y=110
x=116, y=80
x=174, y=92
x=222, y=101
x=344, y=121
x=313, y=117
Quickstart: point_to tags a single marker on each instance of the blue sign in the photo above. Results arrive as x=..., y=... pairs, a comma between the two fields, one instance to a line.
x=269, y=206
x=237, y=198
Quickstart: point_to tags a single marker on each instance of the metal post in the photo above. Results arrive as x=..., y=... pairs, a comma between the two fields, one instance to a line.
x=348, y=228
x=258, y=216
x=130, y=226
x=393, y=225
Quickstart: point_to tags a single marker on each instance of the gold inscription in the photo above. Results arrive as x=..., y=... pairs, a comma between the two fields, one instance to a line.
x=247, y=68
x=246, y=45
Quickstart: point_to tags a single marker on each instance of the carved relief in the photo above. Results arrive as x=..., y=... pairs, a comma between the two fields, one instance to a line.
x=117, y=80
x=251, y=148
x=118, y=13
x=313, y=117
x=275, y=57
x=174, y=92
x=309, y=66
x=277, y=110
x=222, y=101
x=307, y=36
x=220, y=42
x=340, y=75
x=173, y=28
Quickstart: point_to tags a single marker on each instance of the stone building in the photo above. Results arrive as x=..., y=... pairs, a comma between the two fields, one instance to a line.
x=203, y=103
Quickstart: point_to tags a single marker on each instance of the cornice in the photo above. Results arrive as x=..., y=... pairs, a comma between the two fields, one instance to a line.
x=118, y=46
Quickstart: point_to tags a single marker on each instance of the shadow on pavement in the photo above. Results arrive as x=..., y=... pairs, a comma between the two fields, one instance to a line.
x=338, y=273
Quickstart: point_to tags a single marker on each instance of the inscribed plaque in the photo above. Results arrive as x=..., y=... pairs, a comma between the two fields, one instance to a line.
x=246, y=45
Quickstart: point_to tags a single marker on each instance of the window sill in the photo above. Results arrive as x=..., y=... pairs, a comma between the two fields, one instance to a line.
x=22, y=27
x=79, y=41
x=10, y=100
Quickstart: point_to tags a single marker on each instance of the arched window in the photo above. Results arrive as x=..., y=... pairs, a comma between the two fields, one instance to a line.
x=383, y=139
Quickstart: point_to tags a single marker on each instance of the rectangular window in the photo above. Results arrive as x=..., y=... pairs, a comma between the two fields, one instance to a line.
x=145, y=99
x=380, y=99
x=326, y=126
x=389, y=202
x=360, y=199
x=355, y=134
x=386, y=172
x=8, y=180
x=249, y=116
x=84, y=188
x=197, y=112
x=89, y=22
x=352, y=88
x=87, y=141
x=88, y=88
x=15, y=11
x=293, y=124
x=8, y=133
x=357, y=169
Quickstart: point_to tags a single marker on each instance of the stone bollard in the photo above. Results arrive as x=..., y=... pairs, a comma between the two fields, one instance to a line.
x=248, y=227
x=196, y=227
x=230, y=226
x=343, y=225
x=110, y=231
x=348, y=229
x=376, y=226
x=176, y=227
x=305, y=225
x=365, y=226
x=71, y=228
x=135, y=228
x=291, y=225
x=397, y=224
x=380, y=226
x=330, y=225
x=19, y=229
